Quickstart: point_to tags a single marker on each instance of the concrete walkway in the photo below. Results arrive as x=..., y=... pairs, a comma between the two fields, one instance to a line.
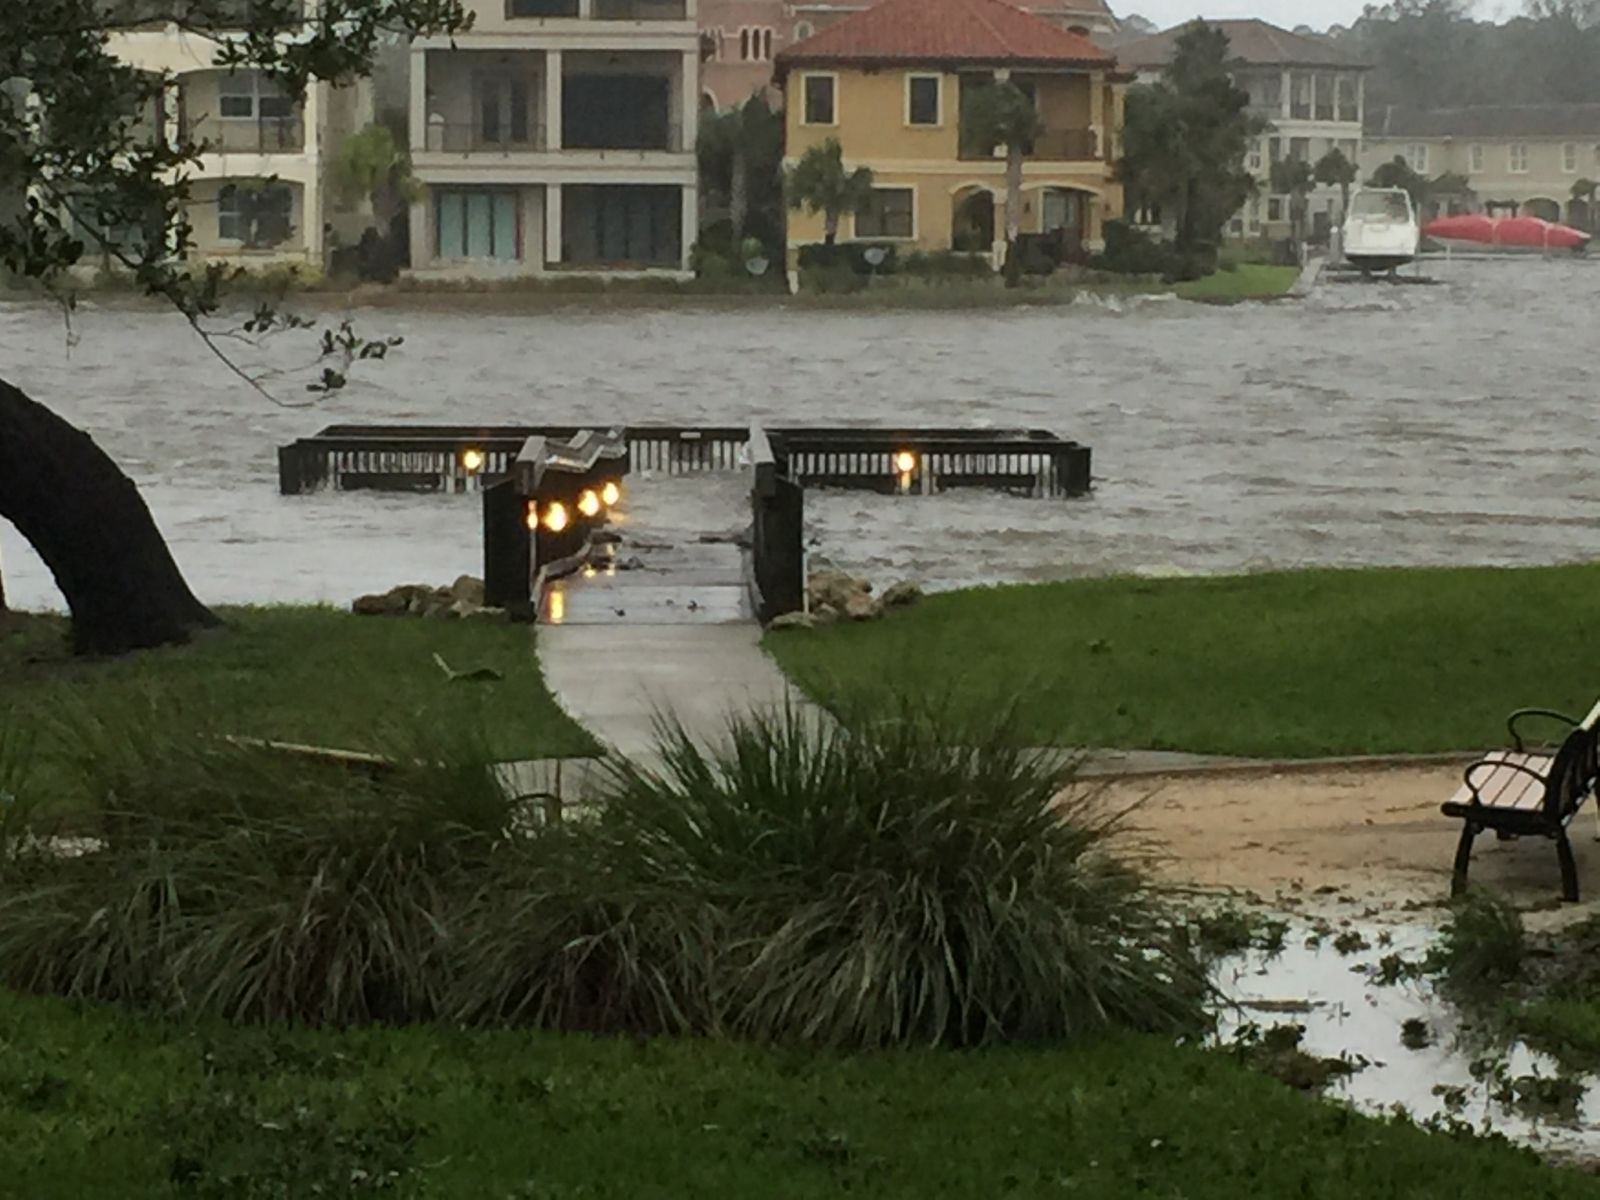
x=616, y=680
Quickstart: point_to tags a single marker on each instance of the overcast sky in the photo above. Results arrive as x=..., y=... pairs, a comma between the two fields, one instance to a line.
x=1317, y=13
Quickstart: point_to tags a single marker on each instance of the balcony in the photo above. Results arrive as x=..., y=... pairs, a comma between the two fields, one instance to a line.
x=470, y=138
x=247, y=135
x=1054, y=145
x=663, y=137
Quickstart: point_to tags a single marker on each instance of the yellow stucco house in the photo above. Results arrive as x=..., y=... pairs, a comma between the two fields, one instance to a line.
x=889, y=81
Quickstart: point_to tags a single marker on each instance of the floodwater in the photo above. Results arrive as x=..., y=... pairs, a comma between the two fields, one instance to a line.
x=1347, y=1012
x=1370, y=424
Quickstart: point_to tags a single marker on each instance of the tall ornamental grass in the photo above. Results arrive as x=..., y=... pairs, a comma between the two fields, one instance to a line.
x=920, y=880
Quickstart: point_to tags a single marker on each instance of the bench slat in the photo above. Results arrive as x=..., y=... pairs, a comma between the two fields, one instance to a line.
x=1502, y=787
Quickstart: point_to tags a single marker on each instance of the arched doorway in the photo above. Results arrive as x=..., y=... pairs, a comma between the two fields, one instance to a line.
x=1064, y=218
x=972, y=223
x=1580, y=215
x=1542, y=207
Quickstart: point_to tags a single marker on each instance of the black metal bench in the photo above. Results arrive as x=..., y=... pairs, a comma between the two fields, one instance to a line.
x=1521, y=792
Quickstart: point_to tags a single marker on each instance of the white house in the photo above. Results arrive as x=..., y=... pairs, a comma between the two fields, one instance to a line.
x=557, y=135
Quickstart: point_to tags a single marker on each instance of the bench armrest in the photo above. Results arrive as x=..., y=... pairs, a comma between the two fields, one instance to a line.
x=1496, y=763
x=1524, y=713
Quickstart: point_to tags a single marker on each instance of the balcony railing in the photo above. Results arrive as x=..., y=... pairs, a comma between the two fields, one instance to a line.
x=469, y=138
x=243, y=135
x=641, y=10
x=1054, y=145
x=666, y=137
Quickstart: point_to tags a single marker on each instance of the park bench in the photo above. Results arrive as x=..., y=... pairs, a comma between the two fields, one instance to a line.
x=1529, y=790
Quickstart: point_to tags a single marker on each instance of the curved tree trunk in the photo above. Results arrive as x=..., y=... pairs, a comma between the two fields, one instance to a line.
x=1013, y=263
x=92, y=529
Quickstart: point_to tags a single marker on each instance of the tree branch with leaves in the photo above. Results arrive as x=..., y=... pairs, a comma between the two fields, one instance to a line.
x=821, y=183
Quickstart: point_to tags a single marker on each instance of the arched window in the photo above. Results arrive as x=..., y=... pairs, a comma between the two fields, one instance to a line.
x=755, y=43
x=744, y=45
x=803, y=30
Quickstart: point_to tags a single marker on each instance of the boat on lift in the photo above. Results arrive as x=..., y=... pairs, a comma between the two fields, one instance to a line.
x=1380, y=231
x=1512, y=235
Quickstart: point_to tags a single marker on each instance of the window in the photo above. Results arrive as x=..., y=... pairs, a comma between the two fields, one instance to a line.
x=541, y=8
x=1417, y=157
x=477, y=224
x=711, y=45
x=887, y=215
x=1475, y=160
x=1569, y=158
x=1255, y=158
x=1274, y=149
x=803, y=30
x=1300, y=149
x=1517, y=158
x=922, y=99
x=249, y=96
x=1350, y=98
x=1274, y=208
x=755, y=44
x=820, y=108
x=256, y=216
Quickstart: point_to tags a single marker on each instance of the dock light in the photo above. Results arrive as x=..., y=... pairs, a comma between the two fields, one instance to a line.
x=556, y=517
x=589, y=503
x=472, y=461
x=610, y=493
x=532, y=518
x=905, y=462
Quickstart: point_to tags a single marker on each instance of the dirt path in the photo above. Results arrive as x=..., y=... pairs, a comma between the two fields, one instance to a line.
x=1374, y=833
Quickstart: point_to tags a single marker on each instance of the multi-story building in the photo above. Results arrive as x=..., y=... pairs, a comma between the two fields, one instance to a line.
x=742, y=38
x=890, y=82
x=739, y=41
x=1310, y=90
x=257, y=194
x=557, y=135
x=1523, y=159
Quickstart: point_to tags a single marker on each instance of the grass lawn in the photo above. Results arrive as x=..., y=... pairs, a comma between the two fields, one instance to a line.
x=97, y=1103
x=310, y=675
x=1295, y=664
x=1246, y=281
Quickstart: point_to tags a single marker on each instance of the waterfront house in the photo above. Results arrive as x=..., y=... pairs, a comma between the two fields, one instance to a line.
x=1310, y=90
x=257, y=194
x=890, y=82
x=1516, y=159
x=557, y=135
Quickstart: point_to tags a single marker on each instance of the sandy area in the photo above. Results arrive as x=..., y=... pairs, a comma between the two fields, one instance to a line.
x=1373, y=833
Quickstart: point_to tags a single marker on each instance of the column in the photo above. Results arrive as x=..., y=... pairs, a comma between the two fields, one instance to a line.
x=1311, y=96
x=422, y=247
x=419, y=99
x=1097, y=110
x=552, y=223
x=552, y=100
x=1287, y=95
x=689, y=105
x=691, y=226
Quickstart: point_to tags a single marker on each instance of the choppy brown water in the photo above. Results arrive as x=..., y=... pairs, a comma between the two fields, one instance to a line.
x=1370, y=424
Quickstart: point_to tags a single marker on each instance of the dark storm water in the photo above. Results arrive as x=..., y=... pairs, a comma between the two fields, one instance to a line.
x=1369, y=424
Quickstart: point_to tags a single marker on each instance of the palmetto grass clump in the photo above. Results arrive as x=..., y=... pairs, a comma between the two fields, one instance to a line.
x=920, y=880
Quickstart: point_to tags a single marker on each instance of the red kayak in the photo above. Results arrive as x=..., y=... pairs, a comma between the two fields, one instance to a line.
x=1474, y=230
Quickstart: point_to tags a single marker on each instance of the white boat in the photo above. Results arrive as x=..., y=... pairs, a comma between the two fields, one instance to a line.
x=1380, y=231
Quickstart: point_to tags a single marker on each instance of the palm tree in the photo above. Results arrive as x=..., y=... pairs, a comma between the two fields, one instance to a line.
x=1334, y=169
x=373, y=165
x=740, y=153
x=1001, y=114
x=1292, y=177
x=820, y=183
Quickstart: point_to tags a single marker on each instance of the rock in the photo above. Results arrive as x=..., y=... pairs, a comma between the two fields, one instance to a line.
x=793, y=620
x=605, y=537
x=468, y=589
x=379, y=604
x=462, y=608
x=862, y=607
x=824, y=614
x=632, y=563
x=487, y=614
x=835, y=588
x=902, y=594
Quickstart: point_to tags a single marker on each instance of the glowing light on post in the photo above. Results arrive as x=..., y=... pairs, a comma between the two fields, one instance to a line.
x=472, y=460
x=610, y=493
x=905, y=462
x=556, y=517
x=532, y=517
x=589, y=503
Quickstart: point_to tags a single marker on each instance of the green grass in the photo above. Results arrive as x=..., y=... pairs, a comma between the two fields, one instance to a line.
x=309, y=675
x=1245, y=281
x=1296, y=664
x=97, y=1103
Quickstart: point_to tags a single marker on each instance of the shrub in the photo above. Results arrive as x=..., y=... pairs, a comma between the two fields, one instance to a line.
x=1482, y=945
x=851, y=255
x=940, y=265
x=923, y=880
x=919, y=880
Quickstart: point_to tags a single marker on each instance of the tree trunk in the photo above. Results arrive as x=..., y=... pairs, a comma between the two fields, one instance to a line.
x=92, y=529
x=738, y=195
x=1013, y=213
x=830, y=228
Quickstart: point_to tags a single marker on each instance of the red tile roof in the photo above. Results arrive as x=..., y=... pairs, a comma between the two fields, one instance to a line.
x=989, y=32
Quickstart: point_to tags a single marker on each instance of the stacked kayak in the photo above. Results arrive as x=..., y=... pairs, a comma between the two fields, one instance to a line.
x=1474, y=231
